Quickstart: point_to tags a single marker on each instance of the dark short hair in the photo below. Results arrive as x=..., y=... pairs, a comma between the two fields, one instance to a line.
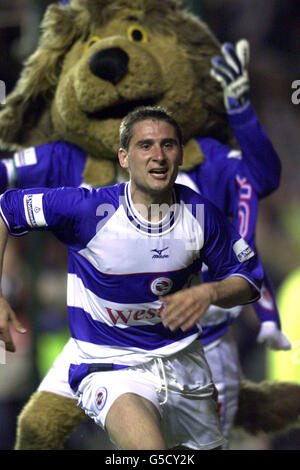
x=143, y=113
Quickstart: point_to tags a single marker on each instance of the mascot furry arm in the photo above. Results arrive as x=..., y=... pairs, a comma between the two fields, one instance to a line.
x=64, y=99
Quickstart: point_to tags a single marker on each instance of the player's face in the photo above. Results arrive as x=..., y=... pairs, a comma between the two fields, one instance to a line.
x=153, y=157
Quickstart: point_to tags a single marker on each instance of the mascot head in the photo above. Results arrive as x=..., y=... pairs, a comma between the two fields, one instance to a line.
x=99, y=59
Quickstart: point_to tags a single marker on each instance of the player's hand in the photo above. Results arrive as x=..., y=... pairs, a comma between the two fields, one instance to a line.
x=184, y=308
x=270, y=334
x=230, y=70
x=7, y=316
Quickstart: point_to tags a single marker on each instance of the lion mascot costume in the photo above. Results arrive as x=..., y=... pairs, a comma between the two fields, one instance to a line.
x=96, y=61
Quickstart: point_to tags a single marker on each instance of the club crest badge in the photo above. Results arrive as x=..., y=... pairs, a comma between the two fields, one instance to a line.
x=101, y=396
x=161, y=285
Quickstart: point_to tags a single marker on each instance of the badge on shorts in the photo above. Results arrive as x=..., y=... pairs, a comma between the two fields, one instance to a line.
x=101, y=396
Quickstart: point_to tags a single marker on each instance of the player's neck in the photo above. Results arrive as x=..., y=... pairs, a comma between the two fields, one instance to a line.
x=152, y=207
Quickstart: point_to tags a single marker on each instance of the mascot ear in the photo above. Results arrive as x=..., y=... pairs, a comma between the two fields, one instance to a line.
x=34, y=90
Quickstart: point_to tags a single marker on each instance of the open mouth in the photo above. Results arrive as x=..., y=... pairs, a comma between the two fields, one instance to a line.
x=159, y=171
x=121, y=109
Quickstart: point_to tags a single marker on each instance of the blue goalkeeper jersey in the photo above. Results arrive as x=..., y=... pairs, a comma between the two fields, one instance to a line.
x=120, y=264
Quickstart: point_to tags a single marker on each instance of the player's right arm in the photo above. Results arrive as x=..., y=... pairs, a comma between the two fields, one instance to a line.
x=59, y=210
x=7, y=315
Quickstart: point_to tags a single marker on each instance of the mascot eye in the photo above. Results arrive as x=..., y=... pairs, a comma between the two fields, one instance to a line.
x=137, y=33
x=92, y=41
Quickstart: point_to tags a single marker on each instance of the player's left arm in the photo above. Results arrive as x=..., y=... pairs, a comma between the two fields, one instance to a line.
x=184, y=308
x=236, y=270
x=231, y=71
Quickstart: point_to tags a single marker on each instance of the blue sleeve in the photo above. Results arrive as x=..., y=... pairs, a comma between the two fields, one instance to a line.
x=226, y=253
x=61, y=210
x=258, y=153
x=244, y=210
x=225, y=180
x=51, y=165
x=266, y=307
x=243, y=204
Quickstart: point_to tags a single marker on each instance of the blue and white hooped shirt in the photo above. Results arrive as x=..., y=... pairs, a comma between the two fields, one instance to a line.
x=119, y=264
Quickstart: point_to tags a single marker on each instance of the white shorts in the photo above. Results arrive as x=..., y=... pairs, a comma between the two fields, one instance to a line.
x=195, y=423
x=223, y=359
x=179, y=386
x=56, y=379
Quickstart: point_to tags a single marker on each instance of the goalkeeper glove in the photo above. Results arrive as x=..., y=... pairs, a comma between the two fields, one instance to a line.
x=270, y=334
x=231, y=72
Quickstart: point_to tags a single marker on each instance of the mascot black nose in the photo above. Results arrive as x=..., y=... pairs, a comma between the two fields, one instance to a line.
x=109, y=64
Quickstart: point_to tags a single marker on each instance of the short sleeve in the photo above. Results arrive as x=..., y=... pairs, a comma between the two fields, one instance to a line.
x=60, y=210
